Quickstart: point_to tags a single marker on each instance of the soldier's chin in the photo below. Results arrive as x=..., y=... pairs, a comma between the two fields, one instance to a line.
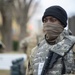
x=51, y=38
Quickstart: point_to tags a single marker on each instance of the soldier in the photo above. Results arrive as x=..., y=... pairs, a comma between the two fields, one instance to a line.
x=2, y=47
x=54, y=54
x=25, y=45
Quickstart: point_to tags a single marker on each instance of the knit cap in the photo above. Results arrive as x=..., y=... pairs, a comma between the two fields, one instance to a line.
x=58, y=13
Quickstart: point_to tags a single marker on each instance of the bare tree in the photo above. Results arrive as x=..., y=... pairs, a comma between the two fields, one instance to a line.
x=6, y=29
x=24, y=10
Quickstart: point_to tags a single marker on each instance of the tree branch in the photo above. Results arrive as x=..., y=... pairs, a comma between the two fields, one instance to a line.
x=34, y=9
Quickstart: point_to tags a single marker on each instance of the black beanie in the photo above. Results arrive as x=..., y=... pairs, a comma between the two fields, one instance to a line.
x=57, y=12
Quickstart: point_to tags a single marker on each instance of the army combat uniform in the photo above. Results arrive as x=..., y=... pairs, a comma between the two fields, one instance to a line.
x=39, y=55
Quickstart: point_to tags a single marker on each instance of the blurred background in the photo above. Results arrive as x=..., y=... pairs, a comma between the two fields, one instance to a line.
x=21, y=25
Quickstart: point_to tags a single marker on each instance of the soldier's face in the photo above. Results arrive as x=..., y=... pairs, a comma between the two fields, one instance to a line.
x=52, y=27
x=52, y=20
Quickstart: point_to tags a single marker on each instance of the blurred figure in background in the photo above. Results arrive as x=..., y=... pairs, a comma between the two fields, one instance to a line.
x=54, y=54
x=2, y=47
x=26, y=45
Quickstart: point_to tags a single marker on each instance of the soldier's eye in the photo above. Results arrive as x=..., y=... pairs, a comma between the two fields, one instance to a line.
x=53, y=19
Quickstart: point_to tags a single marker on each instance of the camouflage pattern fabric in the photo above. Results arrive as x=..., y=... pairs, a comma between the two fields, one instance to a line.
x=64, y=42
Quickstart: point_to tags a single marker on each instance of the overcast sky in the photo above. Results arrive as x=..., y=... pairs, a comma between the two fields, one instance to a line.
x=68, y=5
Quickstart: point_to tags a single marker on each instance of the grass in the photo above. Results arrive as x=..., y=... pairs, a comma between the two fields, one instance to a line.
x=4, y=72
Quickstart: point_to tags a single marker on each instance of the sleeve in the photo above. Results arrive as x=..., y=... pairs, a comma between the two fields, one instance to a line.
x=69, y=62
x=29, y=67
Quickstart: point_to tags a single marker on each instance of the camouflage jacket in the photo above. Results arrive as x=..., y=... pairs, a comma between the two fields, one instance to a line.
x=64, y=42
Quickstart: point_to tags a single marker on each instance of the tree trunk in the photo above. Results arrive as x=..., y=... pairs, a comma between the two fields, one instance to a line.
x=7, y=28
x=22, y=21
x=23, y=31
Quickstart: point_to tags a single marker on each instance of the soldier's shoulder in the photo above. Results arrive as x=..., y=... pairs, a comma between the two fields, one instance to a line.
x=34, y=50
x=71, y=37
x=41, y=43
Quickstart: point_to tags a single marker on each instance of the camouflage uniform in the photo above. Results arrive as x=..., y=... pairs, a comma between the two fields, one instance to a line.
x=26, y=45
x=64, y=42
